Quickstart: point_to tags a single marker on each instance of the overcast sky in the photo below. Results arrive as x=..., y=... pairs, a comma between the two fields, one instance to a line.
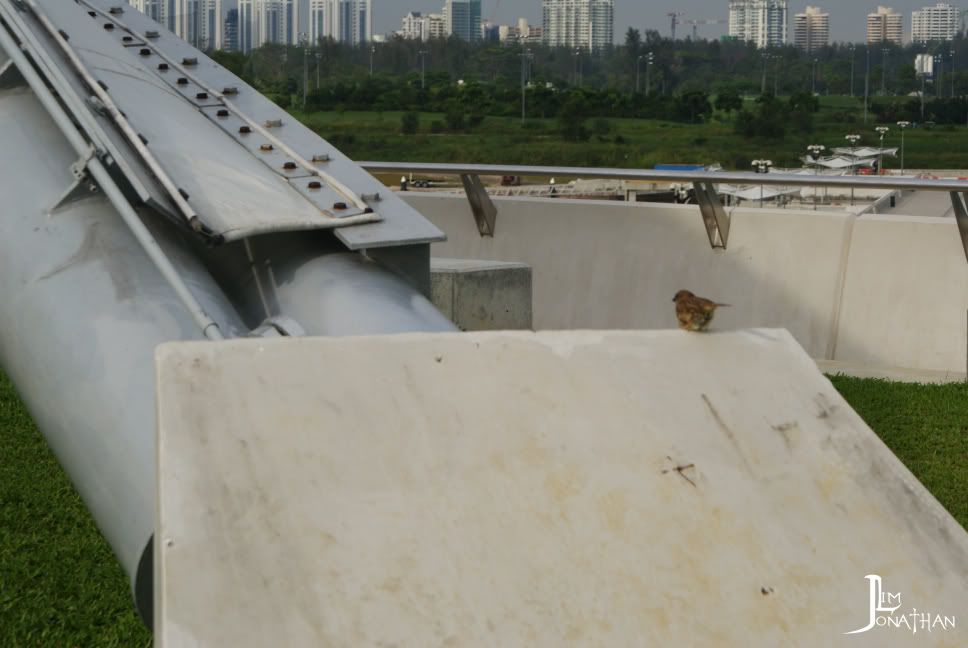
x=847, y=17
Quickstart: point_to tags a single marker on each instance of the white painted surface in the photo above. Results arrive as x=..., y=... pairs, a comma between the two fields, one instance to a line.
x=614, y=265
x=906, y=296
x=514, y=489
x=602, y=264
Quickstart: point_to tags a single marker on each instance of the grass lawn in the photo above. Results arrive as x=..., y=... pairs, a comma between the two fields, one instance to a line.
x=628, y=143
x=61, y=586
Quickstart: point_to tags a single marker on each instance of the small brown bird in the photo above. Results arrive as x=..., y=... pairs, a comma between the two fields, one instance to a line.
x=694, y=313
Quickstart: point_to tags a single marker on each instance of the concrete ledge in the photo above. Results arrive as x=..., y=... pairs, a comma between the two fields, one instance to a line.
x=482, y=295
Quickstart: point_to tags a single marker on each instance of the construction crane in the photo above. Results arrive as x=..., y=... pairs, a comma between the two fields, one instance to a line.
x=674, y=16
x=710, y=21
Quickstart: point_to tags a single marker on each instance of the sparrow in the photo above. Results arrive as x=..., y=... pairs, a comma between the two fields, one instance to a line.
x=694, y=313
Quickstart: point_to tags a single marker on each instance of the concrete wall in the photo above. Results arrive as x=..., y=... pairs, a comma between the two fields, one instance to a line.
x=877, y=291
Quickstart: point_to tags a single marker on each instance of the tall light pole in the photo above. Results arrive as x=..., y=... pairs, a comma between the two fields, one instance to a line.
x=304, y=41
x=762, y=166
x=902, y=125
x=648, y=73
x=882, y=131
x=867, y=78
x=525, y=56
x=884, y=53
x=423, y=68
x=578, y=62
x=319, y=58
x=372, y=53
x=852, y=51
x=813, y=78
x=766, y=58
x=939, y=65
x=853, y=139
x=816, y=150
x=638, y=71
x=952, y=72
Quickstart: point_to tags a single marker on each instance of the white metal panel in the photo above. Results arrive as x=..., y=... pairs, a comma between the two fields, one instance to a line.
x=513, y=489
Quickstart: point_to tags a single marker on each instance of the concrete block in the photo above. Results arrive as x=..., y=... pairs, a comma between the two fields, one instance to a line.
x=517, y=489
x=482, y=295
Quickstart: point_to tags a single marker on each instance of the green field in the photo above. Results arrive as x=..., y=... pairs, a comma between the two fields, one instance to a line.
x=629, y=143
x=61, y=586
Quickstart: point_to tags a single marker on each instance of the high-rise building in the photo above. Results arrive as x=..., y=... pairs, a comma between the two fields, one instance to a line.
x=196, y=21
x=811, y=29
x=937, y=23
x=267, y=21
x=885, y=26
x=346, y=21
x=763, y=22
x=588, y=24
x=230, y=33
x=463, y=19
x=418, y=26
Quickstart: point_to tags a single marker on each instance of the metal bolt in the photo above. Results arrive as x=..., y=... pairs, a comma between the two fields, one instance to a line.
x=273, y=123
x=144, y=51
x=245, y=130
x=109, y=26
x=265, y=147
x=163, y=67
x=222, y=113
x=368, y=210
x=321, y=157
x=182, y=81
x=126, y=39
x=339, y=206
x=151, y=34
x=231, y=90
x=92, y=14
x=189, y=61
x=289, y=166
x=117, y=11
x=315, y=184
x=63, y=34
x=201, y=96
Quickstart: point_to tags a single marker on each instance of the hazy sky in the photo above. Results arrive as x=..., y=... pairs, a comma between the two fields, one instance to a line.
x=847, y=17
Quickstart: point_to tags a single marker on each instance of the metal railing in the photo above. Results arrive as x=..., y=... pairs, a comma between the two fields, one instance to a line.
x=715, y=217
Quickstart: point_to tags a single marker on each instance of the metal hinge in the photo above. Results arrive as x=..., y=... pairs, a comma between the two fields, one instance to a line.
x=83, y=186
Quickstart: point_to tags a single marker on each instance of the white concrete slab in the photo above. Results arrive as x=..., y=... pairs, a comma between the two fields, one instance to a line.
x=513, y=489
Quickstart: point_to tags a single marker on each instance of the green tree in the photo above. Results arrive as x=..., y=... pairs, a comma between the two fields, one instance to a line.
x=409, y=123
x=571, y=118
x=729, y=100
x=455, y=118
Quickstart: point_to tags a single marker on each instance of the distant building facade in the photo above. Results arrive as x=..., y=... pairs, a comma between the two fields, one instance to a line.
x=885, y=26
x=417, y=26
x=762, y=22
x=937, y=23
x=198, y=22
x=585, y=24
x=345, y=21
x=230, y=31
x=462, y=19
x=811, y=29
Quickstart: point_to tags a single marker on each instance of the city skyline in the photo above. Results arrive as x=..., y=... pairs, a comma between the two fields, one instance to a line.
x=847, y=23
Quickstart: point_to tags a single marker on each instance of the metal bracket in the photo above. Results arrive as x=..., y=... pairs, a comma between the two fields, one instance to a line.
x=485, y=213
x=714, y=216
x=10, y=76
x=279, y=326
x=82, y=187
x=961, y=216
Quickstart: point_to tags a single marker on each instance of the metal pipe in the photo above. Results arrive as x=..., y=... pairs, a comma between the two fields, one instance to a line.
x=106, y=183
x=713, y=177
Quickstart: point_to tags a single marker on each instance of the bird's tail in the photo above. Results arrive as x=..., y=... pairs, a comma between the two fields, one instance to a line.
x=724, y=305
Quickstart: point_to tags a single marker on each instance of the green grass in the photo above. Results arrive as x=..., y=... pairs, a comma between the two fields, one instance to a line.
x=927, y=428
x=61, y=586
x=643, y=143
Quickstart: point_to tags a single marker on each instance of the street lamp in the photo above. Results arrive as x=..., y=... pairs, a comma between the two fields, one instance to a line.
x=952, y=72
x=372, y=52
x=762, y=166
x=853, y=139
x=867, y=79
x=816, y=150
x=423, y=68
x=650, y=59
x=939, y=64
x=882, y=130
x=813, y=78
x=319, y=57
x=578, y=67
x=638, y=71
x=766, y=58
x=304, y=42
x=902, y=125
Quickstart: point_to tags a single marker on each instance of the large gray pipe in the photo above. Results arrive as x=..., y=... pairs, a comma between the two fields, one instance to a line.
x=84, y=309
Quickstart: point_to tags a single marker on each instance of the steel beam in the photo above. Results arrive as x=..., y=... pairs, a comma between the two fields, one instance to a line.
x=714, y=217
x=485, y=213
